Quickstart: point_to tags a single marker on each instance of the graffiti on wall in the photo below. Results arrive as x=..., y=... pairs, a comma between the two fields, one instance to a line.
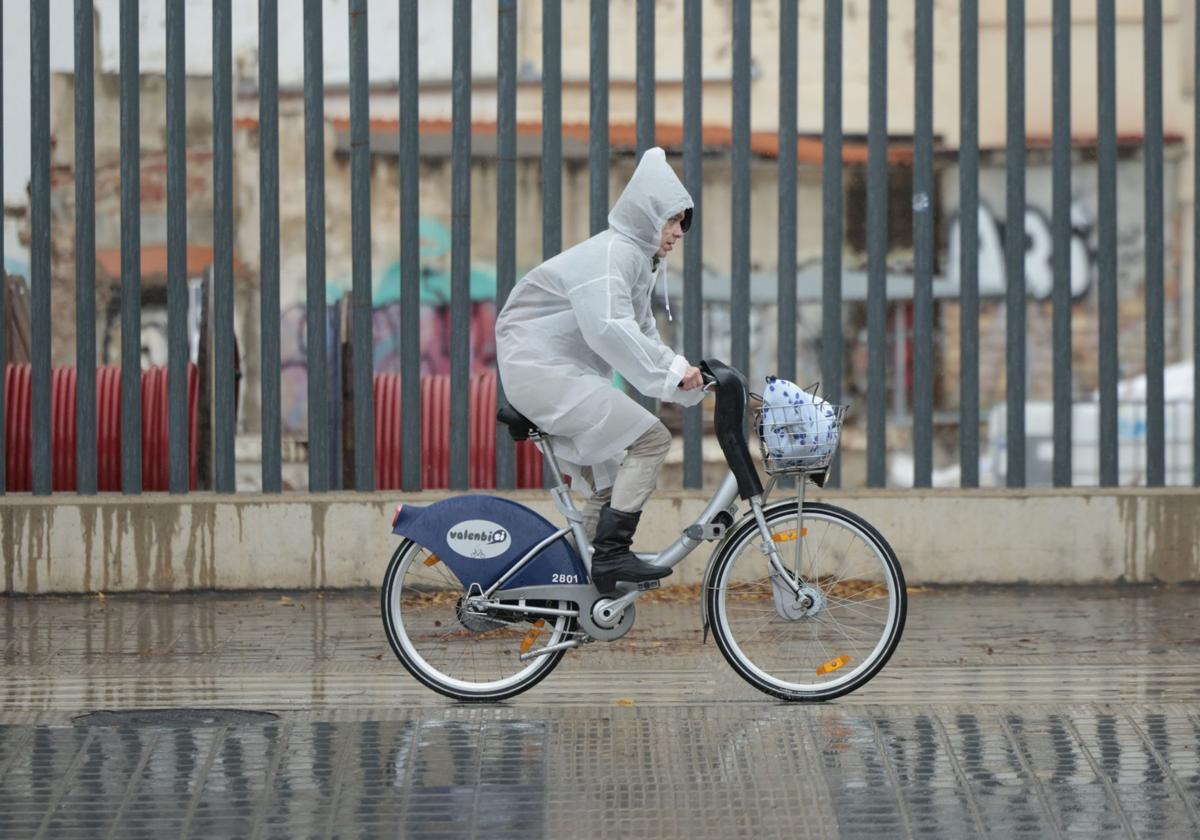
x=1039, y=253
x=385, y=327
x=154, y=334
x=435, y=333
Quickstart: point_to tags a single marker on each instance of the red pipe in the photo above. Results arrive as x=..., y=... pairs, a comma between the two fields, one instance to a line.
x=18, y=425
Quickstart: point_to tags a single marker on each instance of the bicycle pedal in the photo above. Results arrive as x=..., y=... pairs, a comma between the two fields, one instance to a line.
x=649, y=584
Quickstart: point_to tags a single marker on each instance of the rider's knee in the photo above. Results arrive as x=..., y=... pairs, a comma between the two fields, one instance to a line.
x=655, y=442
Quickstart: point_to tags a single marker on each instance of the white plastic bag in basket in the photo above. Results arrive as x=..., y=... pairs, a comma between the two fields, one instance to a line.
x=797, y=424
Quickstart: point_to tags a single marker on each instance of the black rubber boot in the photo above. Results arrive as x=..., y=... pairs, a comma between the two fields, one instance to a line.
x=612, y=560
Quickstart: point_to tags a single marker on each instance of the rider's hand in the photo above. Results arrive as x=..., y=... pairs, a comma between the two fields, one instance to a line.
x=692, y=379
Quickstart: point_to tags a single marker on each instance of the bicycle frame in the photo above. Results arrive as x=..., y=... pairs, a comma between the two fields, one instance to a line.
x=705, y=528
x=742, y=481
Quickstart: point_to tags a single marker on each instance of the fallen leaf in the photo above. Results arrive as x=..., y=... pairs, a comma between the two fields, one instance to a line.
x=624, y=701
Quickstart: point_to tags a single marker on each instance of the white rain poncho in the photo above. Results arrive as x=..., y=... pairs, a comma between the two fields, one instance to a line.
x=578, y=317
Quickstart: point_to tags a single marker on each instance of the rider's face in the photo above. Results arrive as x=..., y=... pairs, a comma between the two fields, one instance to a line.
x=672, y=232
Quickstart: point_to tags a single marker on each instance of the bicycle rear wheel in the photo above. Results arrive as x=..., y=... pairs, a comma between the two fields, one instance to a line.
x=458, y=652
x=831, y=637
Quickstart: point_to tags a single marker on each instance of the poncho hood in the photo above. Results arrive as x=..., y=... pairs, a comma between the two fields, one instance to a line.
x=653, y=195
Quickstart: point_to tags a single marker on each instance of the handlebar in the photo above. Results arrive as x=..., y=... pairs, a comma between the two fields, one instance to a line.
x=706, y=374
x=729, y=420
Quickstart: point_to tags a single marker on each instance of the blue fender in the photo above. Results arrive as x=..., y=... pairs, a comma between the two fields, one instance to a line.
x=479, y=538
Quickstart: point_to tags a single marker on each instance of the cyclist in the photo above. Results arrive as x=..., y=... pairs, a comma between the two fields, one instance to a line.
x=572, y=321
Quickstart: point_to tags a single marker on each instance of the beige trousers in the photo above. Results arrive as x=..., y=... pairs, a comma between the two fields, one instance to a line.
x=636, y=478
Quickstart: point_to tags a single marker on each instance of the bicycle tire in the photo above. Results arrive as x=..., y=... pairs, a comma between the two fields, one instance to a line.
x=717, y=580
x=429, y=676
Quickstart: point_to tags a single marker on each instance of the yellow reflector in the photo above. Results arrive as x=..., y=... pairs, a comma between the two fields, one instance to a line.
x=832, y=665
x=532, y=635
x=431, y=560
x=789, y=535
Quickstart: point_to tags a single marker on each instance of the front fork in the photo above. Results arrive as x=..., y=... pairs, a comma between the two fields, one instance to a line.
x=793, y=599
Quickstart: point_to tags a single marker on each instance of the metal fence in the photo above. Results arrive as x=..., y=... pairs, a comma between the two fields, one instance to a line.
x=321, y=461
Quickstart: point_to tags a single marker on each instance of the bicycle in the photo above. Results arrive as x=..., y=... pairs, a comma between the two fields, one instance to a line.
x=806, y=600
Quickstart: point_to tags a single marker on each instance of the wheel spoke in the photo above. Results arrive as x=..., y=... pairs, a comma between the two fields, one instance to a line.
x=845, y=605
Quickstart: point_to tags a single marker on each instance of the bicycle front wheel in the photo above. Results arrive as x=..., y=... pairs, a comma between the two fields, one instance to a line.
x=458, y=652
x=829, y=633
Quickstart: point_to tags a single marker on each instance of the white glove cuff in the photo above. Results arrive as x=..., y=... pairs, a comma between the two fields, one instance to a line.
x=679, y=366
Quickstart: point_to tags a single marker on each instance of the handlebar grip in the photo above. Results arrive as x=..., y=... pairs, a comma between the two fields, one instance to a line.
x=706, y=376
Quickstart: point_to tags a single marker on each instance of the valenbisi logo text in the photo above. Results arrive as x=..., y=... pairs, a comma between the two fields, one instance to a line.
x=497, y=536
x=478, y=538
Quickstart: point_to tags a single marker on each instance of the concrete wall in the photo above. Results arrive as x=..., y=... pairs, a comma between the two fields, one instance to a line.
x=111, y=544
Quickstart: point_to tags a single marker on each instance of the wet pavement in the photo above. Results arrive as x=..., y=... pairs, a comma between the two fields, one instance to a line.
x=1005, y=712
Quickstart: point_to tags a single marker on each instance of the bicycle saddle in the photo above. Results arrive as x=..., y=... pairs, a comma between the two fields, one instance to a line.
x=519, y=426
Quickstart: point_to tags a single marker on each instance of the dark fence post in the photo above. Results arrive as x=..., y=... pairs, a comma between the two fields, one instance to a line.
x=877, y=208
x=646, y=116
x=410, y=251
x=314, y=222
x=598, y=117
x=362, y=351
x=645, y=76
x=832, y=348
x=204, y=438
x=224, y=385
x=785, y=359
x=131, y=249
x=1106, y=51
x=968, y=238
x=923, y=198
x=551, y=143
x=551, y=128
x=1155, y=352
x=1061, y=163
x=177, y=290
x=693, y=245
x=1014, y=243
x=268, y=151
x=739, y=303
x=85, y=250
x=460, y=256
x=506, y=207
x=39, y=247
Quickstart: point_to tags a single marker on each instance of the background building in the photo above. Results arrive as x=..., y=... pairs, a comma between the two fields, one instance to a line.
x=714, y=238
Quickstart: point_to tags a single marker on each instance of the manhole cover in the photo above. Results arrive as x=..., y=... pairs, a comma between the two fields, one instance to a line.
x=174, y=717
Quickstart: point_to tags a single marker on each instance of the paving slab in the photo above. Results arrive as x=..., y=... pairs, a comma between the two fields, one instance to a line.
x=1006, y=712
